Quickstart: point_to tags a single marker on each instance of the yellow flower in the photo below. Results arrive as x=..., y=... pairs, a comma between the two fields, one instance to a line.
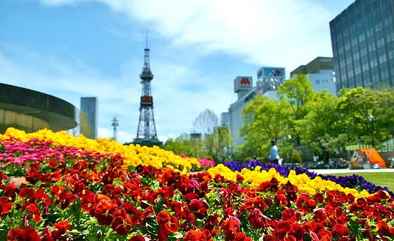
x=133, y=155
x=303, y=182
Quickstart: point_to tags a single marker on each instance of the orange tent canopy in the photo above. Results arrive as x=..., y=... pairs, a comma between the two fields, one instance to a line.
x=373, y=156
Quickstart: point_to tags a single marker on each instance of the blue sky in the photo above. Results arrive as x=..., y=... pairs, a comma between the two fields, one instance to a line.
x=74, y=48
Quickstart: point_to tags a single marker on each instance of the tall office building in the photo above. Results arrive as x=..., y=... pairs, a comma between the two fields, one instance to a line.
x=89, y=109
x=320, y=72
x=363, y=44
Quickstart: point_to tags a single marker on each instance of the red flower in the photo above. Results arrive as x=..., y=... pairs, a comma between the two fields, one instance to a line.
x=281, y=198
x=229, y=211
x=163, y=217
x=35, y=211
x=104, y=204
x=240, y=178
x=23, y=234
x=342, y=219
x=231, y=226
x=384, y=229
x=212, y=221
x=197, y=235
x=63, y=225
x=61, y=228
x=137, y=238
x=198, y=207
x=282, y=228
x=190, y=196
x=26, y=192
x=311, y=203
x=5, y=206
x=257, y=218
x=240, y=236
x=171, y=226
x=289, y=214
x=320, y=215
x=325, y=235
x=340, y=229
x=167, y=223
x=219, y=178
x=10, y=189
x=47, y=236
x=290, y=238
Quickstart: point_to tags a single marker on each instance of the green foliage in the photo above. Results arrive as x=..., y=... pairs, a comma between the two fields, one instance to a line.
x=216, y=145
x=317, y=121
x=367, y=114
x=295, y=156
x=271, y=121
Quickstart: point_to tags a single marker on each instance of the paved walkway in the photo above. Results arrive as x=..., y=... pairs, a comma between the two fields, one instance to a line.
x=335, y=171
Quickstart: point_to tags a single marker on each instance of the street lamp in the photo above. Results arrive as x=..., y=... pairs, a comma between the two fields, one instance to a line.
x=115, y=124
x=371, y=120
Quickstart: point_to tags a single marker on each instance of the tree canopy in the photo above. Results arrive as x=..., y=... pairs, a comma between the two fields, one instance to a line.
x=319, y=122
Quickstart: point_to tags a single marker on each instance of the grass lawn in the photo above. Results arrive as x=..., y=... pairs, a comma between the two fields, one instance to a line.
x=382, y=179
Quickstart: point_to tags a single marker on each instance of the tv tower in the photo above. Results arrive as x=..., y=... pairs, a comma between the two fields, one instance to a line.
x=146, y=132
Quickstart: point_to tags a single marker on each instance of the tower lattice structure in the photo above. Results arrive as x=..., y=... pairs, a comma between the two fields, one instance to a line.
x=146, y=132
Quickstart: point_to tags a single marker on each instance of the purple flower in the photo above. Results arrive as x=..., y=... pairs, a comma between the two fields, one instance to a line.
x=354, y=181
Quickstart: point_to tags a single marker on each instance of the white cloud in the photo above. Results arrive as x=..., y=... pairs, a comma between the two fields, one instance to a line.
x=175, y=108
x=70, y=81
x=105, y=132
x=263, y=32
x=281, y=32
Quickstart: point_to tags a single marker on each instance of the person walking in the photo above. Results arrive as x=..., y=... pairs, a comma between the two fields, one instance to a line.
x=274, y=153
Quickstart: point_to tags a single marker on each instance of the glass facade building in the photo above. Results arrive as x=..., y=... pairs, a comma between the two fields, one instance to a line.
x=89, y=112
x=363, y=44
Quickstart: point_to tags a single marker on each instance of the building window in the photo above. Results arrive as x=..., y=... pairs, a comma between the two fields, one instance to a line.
x=374, y=62
x=382, y=58
x=363, y=52
x=361, y=38
x=371, y=47
x=385, y=74
x=357, y=69
x=375, y=78
x=380, y=43
x=391, y=54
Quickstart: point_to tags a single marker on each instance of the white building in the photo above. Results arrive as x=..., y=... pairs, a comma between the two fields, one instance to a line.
x=321, y=73
x=269, y=79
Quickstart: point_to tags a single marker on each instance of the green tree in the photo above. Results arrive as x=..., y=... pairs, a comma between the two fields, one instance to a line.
x=297, y=92
x=321, y=129
x=367, y=115
x=184, y=145
x=219, y=144
x=266, y=120
x=216, y=145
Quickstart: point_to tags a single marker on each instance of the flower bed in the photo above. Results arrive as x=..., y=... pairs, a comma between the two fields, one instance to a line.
x=58, y=187
x=353, y=181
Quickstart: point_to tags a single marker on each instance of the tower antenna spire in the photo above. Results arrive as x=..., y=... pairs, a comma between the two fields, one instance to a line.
x=146, y=53
x=147, y=39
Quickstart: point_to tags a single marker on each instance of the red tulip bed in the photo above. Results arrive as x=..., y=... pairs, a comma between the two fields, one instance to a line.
x=54, y=192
